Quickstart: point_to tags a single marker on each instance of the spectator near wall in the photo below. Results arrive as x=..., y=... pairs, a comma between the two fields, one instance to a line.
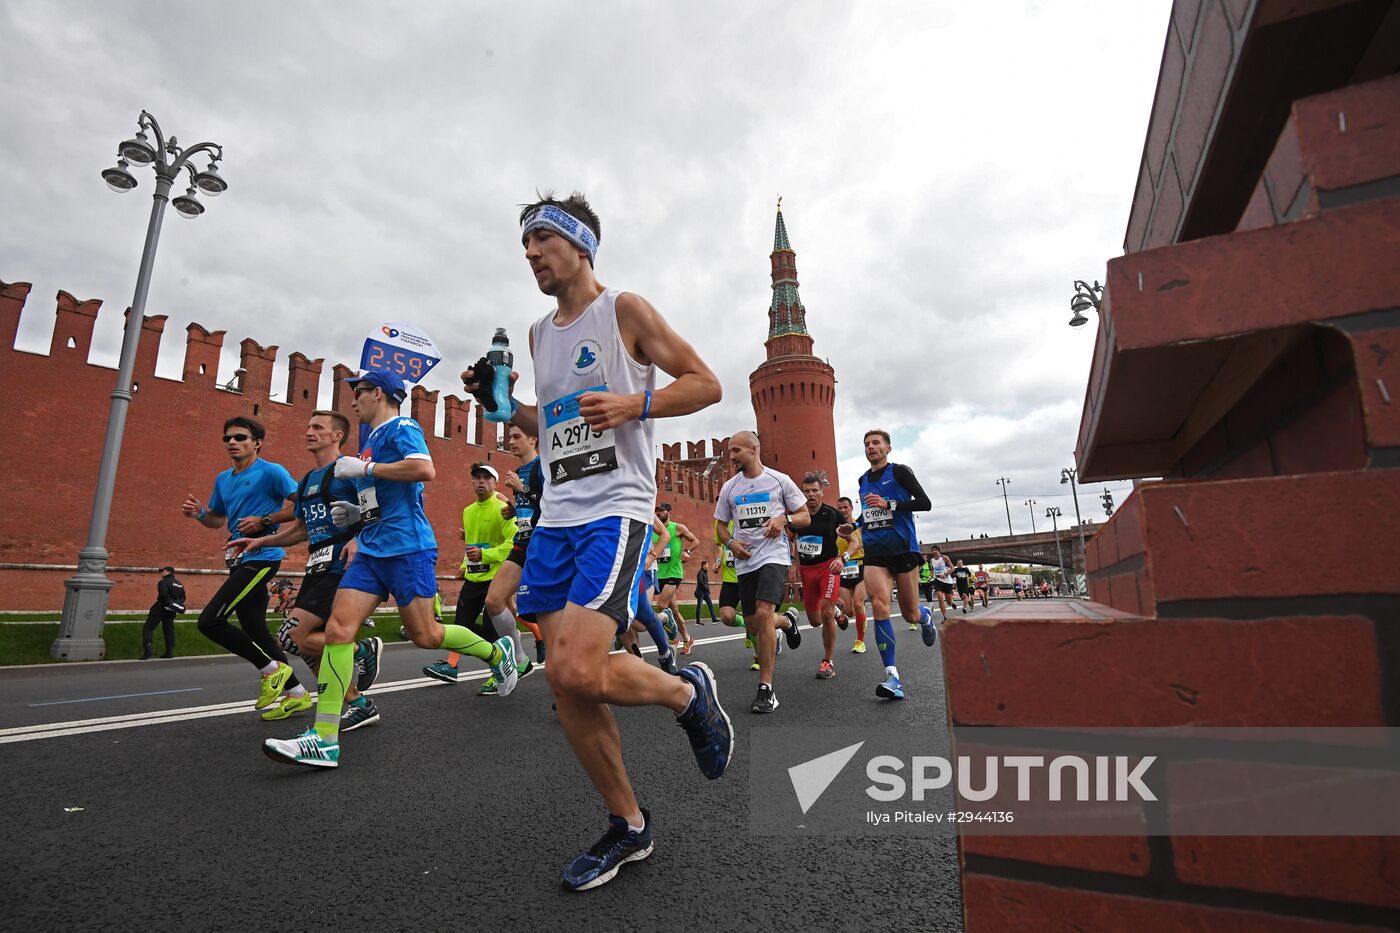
x=170, y=602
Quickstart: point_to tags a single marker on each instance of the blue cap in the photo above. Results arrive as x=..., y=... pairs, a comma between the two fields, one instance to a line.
x=391, y=385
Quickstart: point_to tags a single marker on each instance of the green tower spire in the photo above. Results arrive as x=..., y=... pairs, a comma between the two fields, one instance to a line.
x=785, y=314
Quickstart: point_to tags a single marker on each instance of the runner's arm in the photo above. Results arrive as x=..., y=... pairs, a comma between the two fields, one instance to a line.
x=292, y=534
x=797, y=514
x=499, y=553
x=919, y=501
x=649, y=339
x=208, y=517
x=688, y=539
x=409, y=470
x=251, y=523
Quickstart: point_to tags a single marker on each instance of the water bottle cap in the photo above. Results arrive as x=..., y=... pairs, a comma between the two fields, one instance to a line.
x=501, y=336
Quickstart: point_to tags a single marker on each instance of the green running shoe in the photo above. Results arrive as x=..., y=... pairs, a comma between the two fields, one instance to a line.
x=504, y=669
x=272, y=686
x=525, y=671
x=306, y=749
x=488, y=688
x=287, y=707
x=748, y=644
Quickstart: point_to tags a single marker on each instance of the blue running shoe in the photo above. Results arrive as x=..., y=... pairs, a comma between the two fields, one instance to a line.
x=926, y=629
x=706, y=723
x=891, y=689
x=668, y=625
x=441, y=670
x=618, y=846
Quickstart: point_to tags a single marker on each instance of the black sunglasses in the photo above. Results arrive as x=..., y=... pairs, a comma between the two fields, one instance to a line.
x=236, y=437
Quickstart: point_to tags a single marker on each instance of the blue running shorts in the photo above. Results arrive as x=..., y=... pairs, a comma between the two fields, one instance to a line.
x=405, y=576
x=595, y=565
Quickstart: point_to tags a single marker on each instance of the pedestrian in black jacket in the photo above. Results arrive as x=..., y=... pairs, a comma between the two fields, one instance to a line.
x=170, y=601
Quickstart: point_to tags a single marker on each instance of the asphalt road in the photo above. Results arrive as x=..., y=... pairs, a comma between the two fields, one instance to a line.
x=137, y=798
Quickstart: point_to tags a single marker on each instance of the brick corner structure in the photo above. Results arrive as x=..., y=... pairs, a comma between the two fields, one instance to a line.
x=1248, y=363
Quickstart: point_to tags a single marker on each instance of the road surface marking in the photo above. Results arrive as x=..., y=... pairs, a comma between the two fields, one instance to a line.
x=54, y=730
x=118, y=696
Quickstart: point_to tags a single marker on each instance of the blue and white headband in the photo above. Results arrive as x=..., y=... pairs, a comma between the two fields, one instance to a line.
x=549, y=217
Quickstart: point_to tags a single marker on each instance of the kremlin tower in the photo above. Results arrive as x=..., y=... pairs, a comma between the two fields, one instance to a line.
x=793, y=391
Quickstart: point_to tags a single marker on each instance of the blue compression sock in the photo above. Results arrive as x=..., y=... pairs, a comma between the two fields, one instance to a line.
x=884, y=640
x=647, y=617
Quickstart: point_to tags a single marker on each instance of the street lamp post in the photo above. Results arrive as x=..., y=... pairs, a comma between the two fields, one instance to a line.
x=1067, y=475
x=1003, y=482
x=1085, y=296
x=1030, y=504
x=1053, y=513
x=85, y=600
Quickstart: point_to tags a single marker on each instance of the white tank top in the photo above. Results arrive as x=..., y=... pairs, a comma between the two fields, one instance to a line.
x=590, y=474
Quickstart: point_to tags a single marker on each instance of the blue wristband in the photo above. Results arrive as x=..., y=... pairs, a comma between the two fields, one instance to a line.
x=646, y=405
x=514, y=407
x=200, y=516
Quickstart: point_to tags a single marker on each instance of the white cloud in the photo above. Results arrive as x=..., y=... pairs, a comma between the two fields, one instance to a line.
x=947, y=170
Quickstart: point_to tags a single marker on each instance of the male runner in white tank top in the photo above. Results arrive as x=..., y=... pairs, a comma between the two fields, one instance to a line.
x=595, y=358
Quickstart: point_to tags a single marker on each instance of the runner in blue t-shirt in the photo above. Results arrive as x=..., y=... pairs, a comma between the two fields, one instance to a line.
x=330, y=549
x=889, y=496
x=397, y=557
x=248, y=499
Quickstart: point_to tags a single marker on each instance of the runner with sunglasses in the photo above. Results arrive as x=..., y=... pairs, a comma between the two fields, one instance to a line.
x=250, y=499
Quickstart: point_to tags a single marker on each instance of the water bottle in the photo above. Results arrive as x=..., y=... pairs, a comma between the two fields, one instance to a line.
x=500, y=357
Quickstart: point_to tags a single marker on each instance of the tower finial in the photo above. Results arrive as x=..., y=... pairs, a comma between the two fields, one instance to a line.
x=780, y=204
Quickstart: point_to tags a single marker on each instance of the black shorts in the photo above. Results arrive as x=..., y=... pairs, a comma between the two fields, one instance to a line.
x=964, y=589
x=728, y=594
x=317, y=594
x=767, y=583
x=945, y=588
x=664, y=582
x=517, y=553
x=895, y=563
x=850, y=583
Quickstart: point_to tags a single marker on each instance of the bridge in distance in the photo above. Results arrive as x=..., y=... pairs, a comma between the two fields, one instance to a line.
x=1037, y=548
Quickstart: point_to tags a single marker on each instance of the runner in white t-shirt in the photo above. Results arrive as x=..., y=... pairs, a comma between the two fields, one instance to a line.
x=763, y=504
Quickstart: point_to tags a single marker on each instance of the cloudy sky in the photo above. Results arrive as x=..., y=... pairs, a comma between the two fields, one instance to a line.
x=947, y=170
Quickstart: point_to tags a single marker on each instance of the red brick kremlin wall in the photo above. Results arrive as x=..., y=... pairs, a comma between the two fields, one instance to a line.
x=172, y=446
